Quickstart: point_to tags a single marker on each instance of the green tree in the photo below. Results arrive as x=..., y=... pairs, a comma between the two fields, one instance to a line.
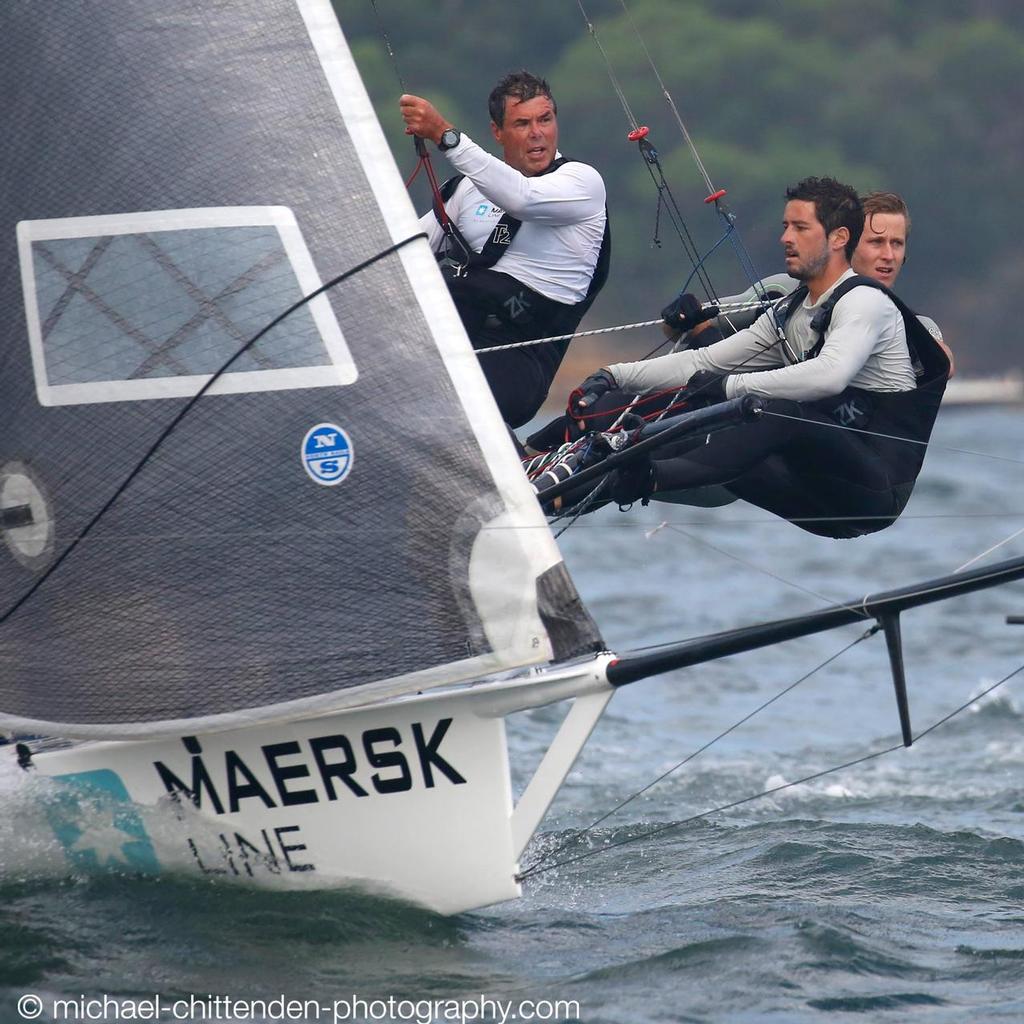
x=920, y=97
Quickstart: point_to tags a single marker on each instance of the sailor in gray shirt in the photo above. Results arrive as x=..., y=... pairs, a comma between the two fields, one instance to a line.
x=882, y=248
x=865, y=347
x=841, y=351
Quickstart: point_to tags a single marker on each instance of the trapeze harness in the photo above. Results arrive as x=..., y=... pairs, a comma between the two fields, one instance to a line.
x=797, y=465
x=497, y=309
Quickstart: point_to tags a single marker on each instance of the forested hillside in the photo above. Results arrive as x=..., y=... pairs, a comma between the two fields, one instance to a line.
x=919, y=97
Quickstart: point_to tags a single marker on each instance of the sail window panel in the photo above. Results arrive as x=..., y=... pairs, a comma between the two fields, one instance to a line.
x=150, y=305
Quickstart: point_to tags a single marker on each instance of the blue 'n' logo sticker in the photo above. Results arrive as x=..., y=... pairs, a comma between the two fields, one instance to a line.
x=94, y=819
x=327, y=454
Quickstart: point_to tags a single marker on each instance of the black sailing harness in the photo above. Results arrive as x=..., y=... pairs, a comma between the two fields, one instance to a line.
x=481, y=293
x=908, y=415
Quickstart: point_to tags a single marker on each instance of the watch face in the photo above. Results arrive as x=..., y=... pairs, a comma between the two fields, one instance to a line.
x=449, y=138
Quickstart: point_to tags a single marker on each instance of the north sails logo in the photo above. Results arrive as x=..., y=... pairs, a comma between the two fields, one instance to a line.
x=327, y=454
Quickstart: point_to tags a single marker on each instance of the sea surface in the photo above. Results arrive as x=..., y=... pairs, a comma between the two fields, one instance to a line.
x=890, y=891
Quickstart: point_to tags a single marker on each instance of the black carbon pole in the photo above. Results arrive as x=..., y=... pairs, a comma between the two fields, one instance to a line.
x=657, y=435
x=631, y=667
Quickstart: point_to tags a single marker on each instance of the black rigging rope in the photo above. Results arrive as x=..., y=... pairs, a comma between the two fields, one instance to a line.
x=665, y=197
x=714, y=195
x=581, y=833
x=387, y=45
x=667, y=201
x=542, y=868
x=574, y=512
x=188, y=406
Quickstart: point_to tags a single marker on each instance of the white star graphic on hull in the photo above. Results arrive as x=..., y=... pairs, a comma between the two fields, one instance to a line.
x=106, y=841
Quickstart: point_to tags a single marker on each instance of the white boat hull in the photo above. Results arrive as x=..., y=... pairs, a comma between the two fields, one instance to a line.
x=410, y=799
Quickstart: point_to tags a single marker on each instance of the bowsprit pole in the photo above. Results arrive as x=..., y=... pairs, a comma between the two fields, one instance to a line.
x=884, y=607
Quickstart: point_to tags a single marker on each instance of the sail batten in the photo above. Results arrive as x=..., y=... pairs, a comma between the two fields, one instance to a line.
x=342, y=516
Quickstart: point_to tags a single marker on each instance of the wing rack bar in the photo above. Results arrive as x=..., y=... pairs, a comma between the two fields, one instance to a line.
x=657, y=435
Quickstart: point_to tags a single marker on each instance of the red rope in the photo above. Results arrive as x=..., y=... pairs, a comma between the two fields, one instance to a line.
x=415, y=174
x=646, y=417
x=425, y=164
x=435, y=189
x=623, y=408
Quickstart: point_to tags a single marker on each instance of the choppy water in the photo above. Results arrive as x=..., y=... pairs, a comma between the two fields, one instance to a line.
x=891, y=891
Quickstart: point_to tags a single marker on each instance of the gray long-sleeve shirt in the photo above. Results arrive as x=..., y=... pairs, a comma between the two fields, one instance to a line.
x=865, y=346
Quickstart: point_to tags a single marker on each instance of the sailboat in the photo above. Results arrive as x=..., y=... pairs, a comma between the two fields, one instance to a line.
x=269, y=559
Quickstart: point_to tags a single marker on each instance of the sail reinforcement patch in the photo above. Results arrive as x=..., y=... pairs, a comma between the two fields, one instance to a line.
x=150, y=305
x=31, y=542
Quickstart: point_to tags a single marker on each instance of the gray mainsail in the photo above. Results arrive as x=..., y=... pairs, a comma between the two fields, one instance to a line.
x=341, y=515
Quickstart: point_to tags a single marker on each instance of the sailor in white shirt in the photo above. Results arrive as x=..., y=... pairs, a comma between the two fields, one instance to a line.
x=524, y=243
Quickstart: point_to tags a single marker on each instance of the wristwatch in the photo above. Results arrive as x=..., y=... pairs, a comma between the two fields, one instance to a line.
x=450, y=138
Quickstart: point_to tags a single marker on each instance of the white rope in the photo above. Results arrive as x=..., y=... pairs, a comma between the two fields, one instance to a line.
x=988, y=551
x=567, y=337
x=727, y=307
x=892, y=437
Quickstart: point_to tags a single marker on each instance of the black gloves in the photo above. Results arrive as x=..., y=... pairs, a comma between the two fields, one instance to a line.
x=704, y=388
x=685, y=312
x=635, y=481
x=583, y=397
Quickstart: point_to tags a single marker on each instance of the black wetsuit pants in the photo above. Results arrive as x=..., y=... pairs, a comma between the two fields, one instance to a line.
x=796, y=462
x=519, y=378
x=496, y=309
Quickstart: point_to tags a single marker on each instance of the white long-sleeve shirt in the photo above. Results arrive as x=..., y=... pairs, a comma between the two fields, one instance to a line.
x=865, y=346
x=562, y=213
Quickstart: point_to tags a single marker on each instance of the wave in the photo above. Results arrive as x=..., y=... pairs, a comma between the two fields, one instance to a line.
x=872, y=1004
x=826, y=946
x=33, y=859
x=693, y=956
x=789, y=858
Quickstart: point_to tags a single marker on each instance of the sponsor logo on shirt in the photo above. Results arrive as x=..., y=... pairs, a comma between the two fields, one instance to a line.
x=487, y=210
